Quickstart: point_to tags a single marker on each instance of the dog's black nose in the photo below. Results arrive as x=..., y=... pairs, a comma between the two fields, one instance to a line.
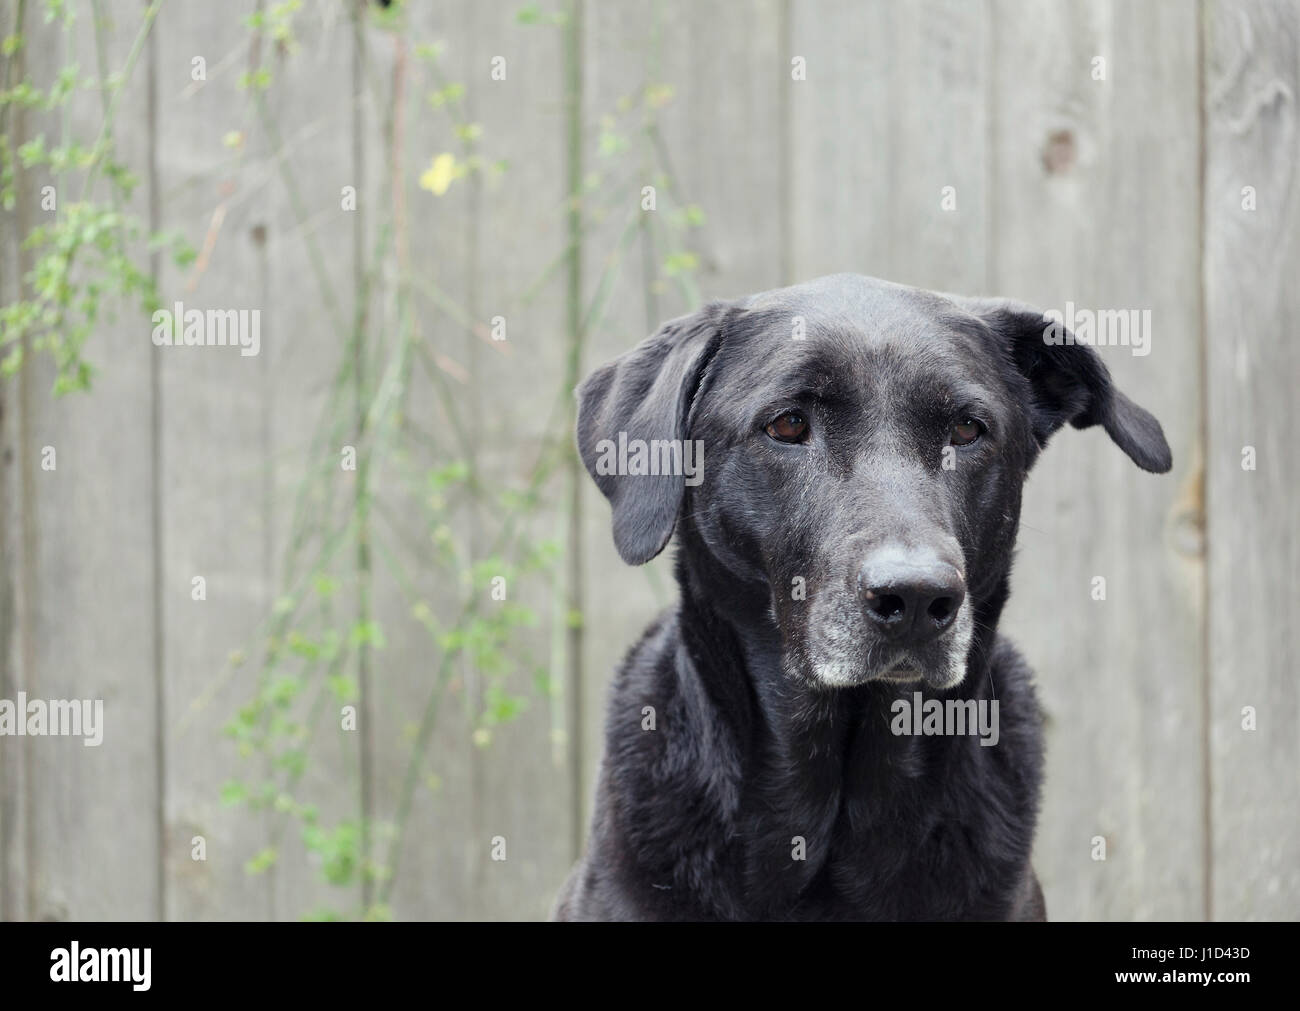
x=910, y=597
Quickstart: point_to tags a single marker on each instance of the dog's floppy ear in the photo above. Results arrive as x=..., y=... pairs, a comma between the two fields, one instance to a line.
x=645, y=395
x=1070, y=382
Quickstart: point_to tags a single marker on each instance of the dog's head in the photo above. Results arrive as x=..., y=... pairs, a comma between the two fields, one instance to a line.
x=854, y=448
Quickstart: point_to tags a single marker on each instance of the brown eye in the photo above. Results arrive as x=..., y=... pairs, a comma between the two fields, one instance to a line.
x=965, y=432
x=788, y=427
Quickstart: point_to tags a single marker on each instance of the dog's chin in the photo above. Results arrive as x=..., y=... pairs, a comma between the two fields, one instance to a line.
x=903, y=673
x=938, y=680
x=936, y=669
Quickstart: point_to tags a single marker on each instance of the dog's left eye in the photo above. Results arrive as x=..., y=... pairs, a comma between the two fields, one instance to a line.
x=964, y=432
x=788, y=427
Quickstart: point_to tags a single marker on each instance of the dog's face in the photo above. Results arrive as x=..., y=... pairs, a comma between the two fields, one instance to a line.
x=864, y=446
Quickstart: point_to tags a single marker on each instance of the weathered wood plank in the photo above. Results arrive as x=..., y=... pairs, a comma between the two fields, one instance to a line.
x=214, y=403
x=14, y=477
x=440, y=850
x=312, y=294
x=89, y=816
x=473, y=252
x=892, y=113
x=1095, y=202
x=1252, y=262
x=520, y=784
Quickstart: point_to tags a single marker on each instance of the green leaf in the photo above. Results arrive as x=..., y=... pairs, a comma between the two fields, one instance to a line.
x=367, y=632
x=342, y=686
x=262, y=861
x=233, y=792
x=678, y=263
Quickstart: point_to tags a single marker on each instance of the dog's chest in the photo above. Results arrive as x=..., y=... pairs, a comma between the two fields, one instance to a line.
x=915, y=837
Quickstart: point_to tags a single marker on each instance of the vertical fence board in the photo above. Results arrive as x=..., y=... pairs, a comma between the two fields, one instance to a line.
x=440, y=851
x=214, y=449
x=892, y=112
x=1096, y=203
x=85, y=616
x=311, y=291
x=1252, y=262
x=521, y=786
x=474, y=251
x=14, y=546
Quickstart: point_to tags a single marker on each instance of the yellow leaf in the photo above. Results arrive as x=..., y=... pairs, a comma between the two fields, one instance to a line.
x=438, y=176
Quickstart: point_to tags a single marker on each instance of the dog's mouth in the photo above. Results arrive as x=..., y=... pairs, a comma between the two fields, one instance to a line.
x=905, y=670
x=902, y=670
x=901, y=674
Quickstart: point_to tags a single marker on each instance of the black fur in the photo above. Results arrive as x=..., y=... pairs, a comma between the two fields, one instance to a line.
x=771, y=713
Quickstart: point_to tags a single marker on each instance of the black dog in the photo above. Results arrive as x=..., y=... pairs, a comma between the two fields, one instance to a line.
x=848, y=554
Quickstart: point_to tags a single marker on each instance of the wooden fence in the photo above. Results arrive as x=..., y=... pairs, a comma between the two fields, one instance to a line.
x=1110, y=153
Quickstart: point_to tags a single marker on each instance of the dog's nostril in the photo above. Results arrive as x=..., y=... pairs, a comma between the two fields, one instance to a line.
x=885, y=605
x=940, y=609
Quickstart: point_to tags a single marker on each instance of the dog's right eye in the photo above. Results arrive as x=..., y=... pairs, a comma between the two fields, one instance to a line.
x=788, y=427
x=964, y=432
